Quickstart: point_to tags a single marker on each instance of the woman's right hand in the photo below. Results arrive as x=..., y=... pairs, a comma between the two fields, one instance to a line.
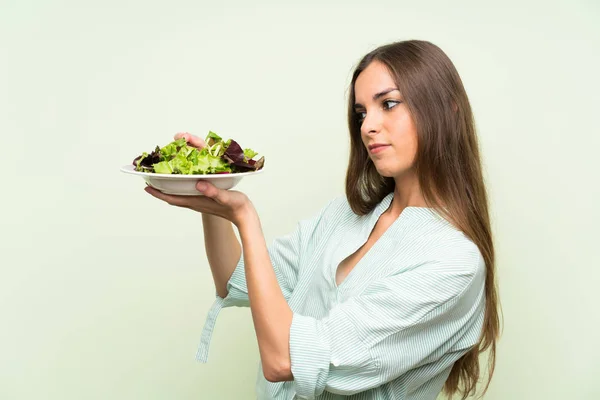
x=192, y=140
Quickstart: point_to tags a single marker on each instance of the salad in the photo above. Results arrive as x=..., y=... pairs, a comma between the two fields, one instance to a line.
x=218, y=157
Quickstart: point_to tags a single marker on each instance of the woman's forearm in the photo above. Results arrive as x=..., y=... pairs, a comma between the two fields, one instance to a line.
x=223, y=250
x=271, y=314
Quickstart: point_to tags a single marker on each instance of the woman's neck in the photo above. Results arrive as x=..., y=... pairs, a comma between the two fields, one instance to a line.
x=407, y=193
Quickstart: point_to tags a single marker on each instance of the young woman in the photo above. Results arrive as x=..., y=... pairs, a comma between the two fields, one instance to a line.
x=389, y=291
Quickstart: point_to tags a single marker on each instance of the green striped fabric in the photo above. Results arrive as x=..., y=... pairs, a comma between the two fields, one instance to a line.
x=393, y=328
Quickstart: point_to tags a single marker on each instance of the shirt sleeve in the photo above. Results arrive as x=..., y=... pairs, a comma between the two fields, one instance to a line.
x=398, y=323
x=283, y=252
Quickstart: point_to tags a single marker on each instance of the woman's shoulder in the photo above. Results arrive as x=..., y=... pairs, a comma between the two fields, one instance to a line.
x=430, y=238
x=449, y=246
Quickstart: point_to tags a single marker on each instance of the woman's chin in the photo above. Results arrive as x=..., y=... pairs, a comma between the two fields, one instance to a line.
x=393, y=172
x=386, y=173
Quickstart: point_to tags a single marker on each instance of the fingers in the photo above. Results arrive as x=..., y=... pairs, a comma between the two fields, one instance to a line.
x=210, y=200
x=212, y=192
x=192, y=140
x=172, y=200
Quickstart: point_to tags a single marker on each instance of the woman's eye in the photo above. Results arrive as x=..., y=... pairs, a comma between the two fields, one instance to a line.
x=389, y=104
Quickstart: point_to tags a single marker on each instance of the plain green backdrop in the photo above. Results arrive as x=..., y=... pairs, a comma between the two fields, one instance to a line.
x=104, y=290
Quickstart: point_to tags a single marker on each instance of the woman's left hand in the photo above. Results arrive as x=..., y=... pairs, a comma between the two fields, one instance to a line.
x=229, y=204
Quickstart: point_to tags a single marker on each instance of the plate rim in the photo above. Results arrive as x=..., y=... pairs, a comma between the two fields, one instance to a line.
x=129, y=169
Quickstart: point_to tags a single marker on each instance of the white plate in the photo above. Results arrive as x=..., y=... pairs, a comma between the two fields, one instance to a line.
x=185, y=185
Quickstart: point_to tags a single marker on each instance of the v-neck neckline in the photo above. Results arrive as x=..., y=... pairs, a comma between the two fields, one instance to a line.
x=351, y=245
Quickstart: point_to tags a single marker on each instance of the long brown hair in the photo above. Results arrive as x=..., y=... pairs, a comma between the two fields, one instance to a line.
x=449, y=170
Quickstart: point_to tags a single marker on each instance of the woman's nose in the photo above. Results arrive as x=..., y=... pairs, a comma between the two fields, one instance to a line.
x=371, y=124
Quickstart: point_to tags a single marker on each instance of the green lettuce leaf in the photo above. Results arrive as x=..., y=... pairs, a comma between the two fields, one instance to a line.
x=249, y=153
x=163, y=167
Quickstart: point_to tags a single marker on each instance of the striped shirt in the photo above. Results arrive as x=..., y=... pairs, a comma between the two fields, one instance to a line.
x=393, y=328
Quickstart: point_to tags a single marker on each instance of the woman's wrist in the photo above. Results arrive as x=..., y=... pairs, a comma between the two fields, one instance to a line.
x=246, y=218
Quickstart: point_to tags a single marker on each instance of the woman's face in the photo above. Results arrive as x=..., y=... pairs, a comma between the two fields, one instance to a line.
x=386, y=122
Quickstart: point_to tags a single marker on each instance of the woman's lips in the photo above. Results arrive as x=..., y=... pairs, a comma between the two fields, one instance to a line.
x=378, y=148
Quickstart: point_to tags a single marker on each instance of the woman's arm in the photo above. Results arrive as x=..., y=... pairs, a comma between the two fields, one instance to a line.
x=271, y=314
x=223, y=250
